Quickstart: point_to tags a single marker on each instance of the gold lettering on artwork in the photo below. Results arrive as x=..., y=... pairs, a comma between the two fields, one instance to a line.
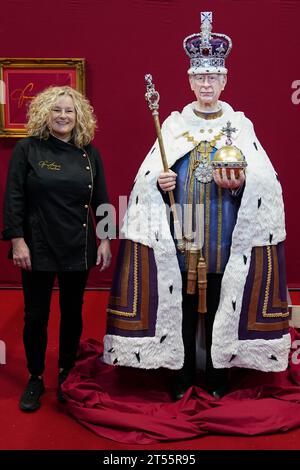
x=50, y=165
x=21, y=94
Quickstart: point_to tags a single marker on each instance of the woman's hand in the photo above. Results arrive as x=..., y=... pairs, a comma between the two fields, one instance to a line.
x=21, y=254
x=167, y=180
x=222, y=180
x=104, y=254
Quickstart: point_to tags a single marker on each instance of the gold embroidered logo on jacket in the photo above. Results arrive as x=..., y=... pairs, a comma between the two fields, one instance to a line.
x=50, y=165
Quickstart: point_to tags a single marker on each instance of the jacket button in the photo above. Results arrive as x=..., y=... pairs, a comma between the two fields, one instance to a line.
x=87, y=167
x=84, y=225
x=84, y=155
x=90, y=186
x=86, y=206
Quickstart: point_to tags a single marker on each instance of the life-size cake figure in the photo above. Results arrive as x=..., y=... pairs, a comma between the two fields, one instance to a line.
x=218, y=165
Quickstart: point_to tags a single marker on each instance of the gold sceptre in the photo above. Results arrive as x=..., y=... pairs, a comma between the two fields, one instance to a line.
x=152, y=96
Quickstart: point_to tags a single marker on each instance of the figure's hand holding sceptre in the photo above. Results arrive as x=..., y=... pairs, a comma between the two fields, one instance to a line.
x=152, y=97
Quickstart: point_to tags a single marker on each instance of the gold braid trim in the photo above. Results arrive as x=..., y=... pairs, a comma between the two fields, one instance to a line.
x=207, y=222
x=135, y=289
x=189, y=189
x=219, y=235
x=267, y=291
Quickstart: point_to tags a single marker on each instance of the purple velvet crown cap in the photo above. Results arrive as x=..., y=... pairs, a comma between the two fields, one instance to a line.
x=207, y=51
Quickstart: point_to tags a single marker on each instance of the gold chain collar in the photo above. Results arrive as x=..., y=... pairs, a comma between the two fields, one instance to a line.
x=212, y=142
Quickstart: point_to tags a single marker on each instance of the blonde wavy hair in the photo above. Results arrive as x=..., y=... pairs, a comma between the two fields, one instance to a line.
x=42, y=104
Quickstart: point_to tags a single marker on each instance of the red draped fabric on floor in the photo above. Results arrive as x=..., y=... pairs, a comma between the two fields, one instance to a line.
x=134, y=406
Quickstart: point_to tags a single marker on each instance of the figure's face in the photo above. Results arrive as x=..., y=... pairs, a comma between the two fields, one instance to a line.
x=207, y=87
x=62, y=119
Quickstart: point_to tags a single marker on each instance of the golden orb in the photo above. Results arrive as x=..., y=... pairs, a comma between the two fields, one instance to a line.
x=229, y=154
x=230, y=158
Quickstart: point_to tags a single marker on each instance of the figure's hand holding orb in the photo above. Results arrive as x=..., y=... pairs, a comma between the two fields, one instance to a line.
x=229, y=164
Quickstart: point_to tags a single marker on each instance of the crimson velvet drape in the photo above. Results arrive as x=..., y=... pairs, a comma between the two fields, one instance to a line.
x=133, y=406
x=124, y=39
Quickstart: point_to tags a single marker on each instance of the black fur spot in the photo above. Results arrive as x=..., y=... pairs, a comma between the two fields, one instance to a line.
x=259, y=203
x=156, y=236
x=234, y=304
x=115, y=361
x=147, y=172
x=163, y=338
x=232, y=357
x=152, y=150
x=136, y=199
x=277, y=176
x=171, y=289
x=271, y=237
x=111, y=350
x=274, y=358
x=254, y=143
x=245, y=259
x=137, y=355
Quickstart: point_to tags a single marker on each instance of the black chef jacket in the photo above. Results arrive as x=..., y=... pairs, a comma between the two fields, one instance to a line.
x=53, y=191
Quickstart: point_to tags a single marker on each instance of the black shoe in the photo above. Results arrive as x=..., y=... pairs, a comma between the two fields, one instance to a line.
x=217, y=382
x=178, y=394
x=182, y=380
x=220, y=391
x=61, y=378
x=30, y=400
x=178, y=390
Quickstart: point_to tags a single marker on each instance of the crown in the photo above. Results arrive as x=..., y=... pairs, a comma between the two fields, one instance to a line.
x=207, y=51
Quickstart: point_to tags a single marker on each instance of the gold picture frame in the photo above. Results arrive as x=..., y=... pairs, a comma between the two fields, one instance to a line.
x=22, y=79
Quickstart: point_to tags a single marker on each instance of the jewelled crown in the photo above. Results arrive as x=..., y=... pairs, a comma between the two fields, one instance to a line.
x=207, y=51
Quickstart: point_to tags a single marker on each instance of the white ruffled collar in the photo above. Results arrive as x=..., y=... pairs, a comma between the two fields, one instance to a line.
x=194, y=124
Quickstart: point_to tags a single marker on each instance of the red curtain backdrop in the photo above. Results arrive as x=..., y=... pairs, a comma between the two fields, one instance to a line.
x=122, y=40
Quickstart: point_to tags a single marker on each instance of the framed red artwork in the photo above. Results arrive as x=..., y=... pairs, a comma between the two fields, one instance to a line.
x=23, y=79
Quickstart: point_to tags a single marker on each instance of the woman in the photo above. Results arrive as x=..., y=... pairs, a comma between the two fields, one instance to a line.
x=55, y=184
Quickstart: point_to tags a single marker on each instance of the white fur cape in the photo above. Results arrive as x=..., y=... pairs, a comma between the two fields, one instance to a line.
x=146, y=222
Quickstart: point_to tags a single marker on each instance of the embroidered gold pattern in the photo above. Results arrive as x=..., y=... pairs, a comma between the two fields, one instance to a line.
x=120, y=321
x=204, y=149
x=121, y=300
x=135, y=288
x=201, y=197
x=207, y=223
x=269, y=274
x=50, y=165
x=267, y=291
x=253, y=324
x=277, y=303
x=219, y=236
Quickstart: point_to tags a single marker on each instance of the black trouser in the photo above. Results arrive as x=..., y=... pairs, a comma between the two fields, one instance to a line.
x=214, y=377
x=37, y=289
